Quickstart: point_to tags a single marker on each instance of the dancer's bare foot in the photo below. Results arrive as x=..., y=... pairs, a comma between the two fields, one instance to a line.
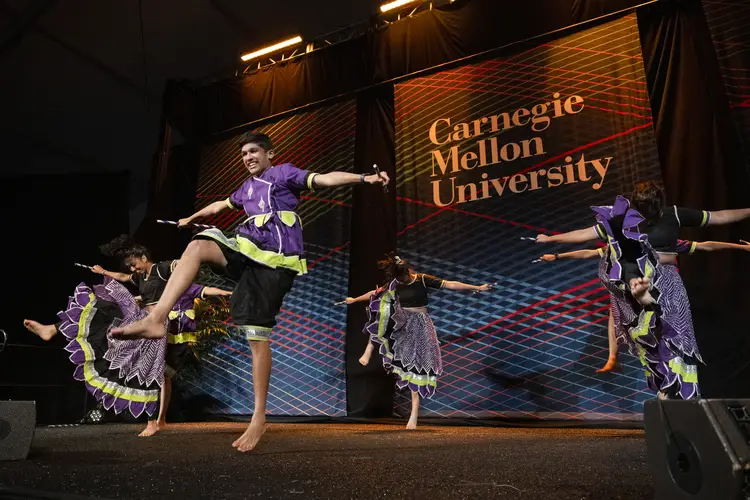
x=411, y=424
x=662, y=395
x=149, y=327
x=44, y=332
x=249, y=439
x=612, y=365
x=639, y=287
x=152, y=428
x=365, y=359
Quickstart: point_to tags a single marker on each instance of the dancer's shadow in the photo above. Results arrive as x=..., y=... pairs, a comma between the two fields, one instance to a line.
x=537, y=386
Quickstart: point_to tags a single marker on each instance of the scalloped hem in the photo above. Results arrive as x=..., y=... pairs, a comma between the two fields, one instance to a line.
x=114, y=395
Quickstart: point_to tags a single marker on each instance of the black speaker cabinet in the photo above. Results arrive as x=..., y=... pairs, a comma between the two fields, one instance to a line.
x=700, y=449
x=17, y=422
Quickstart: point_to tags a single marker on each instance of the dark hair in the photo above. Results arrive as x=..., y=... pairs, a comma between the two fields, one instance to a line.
x=123, y=247
x=395, y=268
x=258, y=138
x=648, y=198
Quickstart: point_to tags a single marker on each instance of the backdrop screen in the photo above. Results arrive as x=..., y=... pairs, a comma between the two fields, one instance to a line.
x=308, y=342
x=728, y=21
x=507, y=148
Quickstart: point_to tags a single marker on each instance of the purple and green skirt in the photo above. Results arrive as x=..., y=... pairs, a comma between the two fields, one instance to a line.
x=661, y=335
x=121, y=374
x=407, y=340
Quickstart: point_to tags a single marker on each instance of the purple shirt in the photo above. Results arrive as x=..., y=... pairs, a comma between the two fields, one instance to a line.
x=182, y=322
x=270, y=199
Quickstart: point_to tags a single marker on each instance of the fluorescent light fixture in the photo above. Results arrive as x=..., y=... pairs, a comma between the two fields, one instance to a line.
x=273, y=48
x=396, y=4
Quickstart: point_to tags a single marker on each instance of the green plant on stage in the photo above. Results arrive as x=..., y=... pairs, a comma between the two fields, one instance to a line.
x=212, y=315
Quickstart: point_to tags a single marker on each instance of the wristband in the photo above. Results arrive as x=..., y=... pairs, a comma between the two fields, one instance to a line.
x=362, y=179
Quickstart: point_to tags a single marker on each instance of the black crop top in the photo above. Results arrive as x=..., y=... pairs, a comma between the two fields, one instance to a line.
x=663, y=235
x=414, y=294
x=152, y=287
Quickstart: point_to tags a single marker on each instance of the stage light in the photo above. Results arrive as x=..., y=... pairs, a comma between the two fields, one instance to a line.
x=273, y=48
x=396, y=4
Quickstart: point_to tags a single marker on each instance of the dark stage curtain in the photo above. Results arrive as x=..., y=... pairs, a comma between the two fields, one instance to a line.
x=442, y=35
x=63, y=219
x=702, y=168
x=462, y=29
x=173, y=186
x=373, y=234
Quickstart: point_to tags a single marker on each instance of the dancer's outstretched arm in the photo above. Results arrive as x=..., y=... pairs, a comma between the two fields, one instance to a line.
x=457, y=285
x=211, y=291
x=710, y=246
x=366, y=296
x=577, y=236
x=122, y=277
x=578, y=254
x=333, y=179
x=207, y=211
x=722, y=217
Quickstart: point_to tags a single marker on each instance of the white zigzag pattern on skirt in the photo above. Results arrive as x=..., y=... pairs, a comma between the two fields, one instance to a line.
x=416, y=345
x=143, y=359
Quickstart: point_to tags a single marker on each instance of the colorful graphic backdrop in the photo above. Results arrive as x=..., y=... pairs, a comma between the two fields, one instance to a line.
x=508, y=148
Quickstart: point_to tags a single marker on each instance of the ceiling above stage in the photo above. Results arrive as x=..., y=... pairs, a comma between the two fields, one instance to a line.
x=77, y=93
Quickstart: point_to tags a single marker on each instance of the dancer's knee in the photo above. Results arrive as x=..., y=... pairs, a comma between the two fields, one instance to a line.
x=200, y=249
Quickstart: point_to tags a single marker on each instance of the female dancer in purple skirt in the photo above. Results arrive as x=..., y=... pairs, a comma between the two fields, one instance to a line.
x=121, y=374
x=151, y=278
x=650, y=301
x=683, y=246
x=400, y=324
x=125, y=374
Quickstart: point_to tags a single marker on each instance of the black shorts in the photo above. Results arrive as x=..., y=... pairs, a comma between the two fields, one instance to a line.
x=258, y=295
x=177, y=355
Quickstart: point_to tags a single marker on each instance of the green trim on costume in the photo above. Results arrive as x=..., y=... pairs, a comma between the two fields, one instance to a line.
x=286, y=216
x=182, y=338
x=254, y=333
x=89, y=373
x=412, y=378
x=706, y=218
x=230, y=204
x=687, y=373
x=383, y=317
x=693, y=247
x=641, y=330
x=250, y=250
x=311, y=182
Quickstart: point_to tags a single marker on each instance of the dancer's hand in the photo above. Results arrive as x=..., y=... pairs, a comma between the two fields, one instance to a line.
x=184, y=222
x=548, y=257
x=542, y=238
x=349, y=301
x=97, y=269
x=747, y=245
x=483, y=288
x=378, y=179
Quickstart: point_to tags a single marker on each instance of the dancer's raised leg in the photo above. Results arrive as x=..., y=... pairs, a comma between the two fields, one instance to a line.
x=198, y=252
x=261, y=351
x=44, y=332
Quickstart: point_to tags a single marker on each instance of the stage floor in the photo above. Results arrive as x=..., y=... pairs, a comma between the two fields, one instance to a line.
x=336, y=461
